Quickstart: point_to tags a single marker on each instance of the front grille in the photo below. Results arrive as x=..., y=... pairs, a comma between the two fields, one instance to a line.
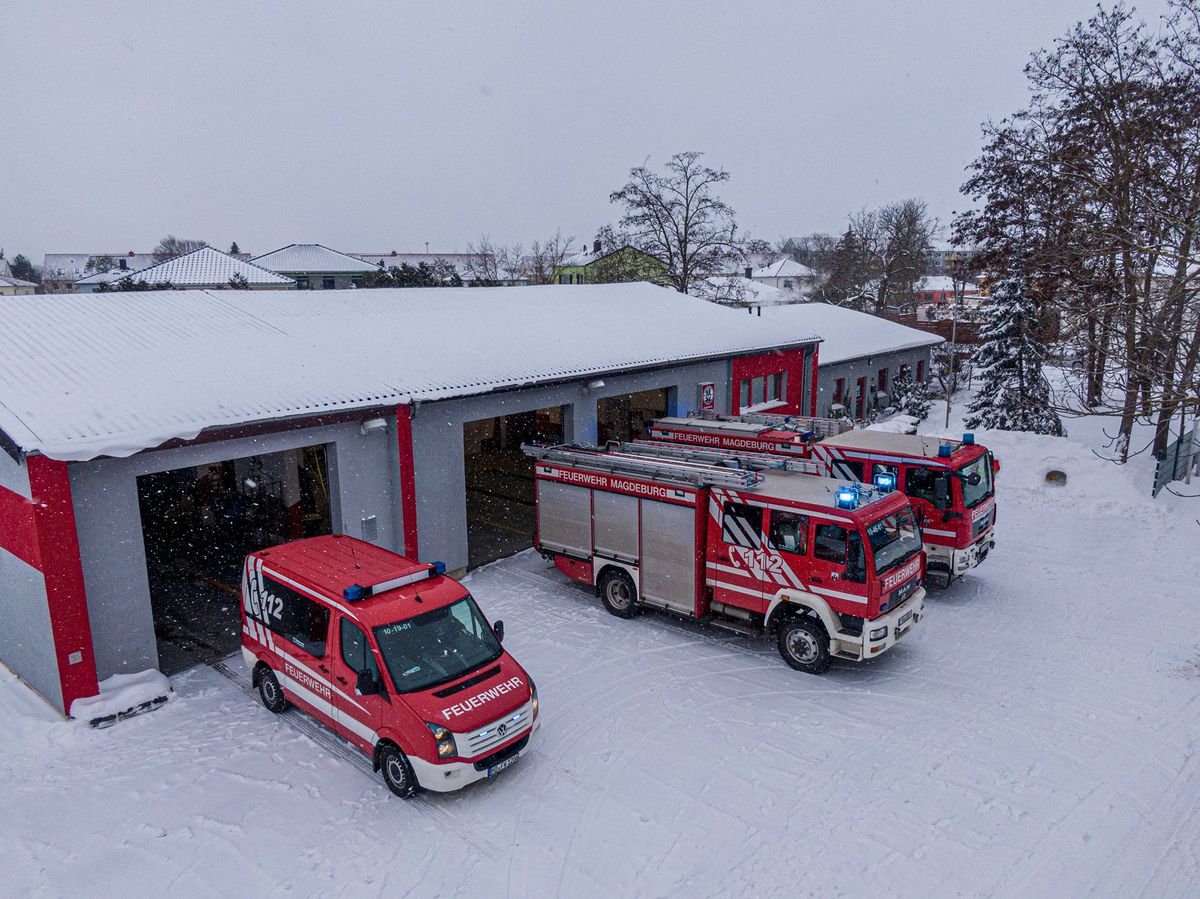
x=506, y=753
x=983, y=523
x=499, y=731
x=901, y=593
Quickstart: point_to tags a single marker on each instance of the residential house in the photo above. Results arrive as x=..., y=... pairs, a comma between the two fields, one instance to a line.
x=623, y=264
x=459, y=262
x=60, y=271
x=204, y=268
x=316, y=267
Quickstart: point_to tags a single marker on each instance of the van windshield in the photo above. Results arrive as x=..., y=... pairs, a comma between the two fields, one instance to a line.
x=973, y=494
x=894, y=539
x=436, y=647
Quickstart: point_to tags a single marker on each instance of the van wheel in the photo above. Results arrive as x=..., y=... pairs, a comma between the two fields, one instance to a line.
x=397, y=772
x=270, y=692
x=618, y=593
x=804, y=645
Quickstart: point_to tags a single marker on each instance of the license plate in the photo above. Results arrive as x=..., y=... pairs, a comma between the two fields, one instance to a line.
x=496, y=769
x=904, y=619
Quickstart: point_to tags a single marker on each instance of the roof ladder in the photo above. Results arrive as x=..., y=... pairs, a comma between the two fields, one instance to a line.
x=728, y=458
x=673, y=471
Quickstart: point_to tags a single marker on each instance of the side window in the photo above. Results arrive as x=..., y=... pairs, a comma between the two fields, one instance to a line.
x=294, y=617
x=922, y=483
x=741, y=524
x=829, y=543
x=461, y=611
x=789, y=532
x=356, y=652
x=856, y=559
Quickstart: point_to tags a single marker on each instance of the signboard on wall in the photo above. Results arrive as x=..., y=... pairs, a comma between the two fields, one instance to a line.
x=708, y=397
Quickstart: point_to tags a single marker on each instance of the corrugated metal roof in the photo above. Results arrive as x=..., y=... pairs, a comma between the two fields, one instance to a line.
x=207, y=267
x=113, y=374
x=846, y=333
x=299, y=258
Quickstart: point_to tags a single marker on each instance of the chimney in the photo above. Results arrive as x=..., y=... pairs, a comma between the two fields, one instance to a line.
x=595, y=246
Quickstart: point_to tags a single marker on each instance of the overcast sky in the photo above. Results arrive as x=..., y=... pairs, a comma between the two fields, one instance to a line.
x=373, y=126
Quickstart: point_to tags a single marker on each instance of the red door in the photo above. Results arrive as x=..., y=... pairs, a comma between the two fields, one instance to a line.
x=359, y=717
x=860, y=400
x=738, y=570
x=837, y=566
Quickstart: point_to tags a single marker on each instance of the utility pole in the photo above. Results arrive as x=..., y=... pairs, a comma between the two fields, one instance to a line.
x=952, y=379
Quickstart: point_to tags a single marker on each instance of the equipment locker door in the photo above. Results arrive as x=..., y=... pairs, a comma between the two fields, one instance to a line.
x=669, y=556
x=616, y=526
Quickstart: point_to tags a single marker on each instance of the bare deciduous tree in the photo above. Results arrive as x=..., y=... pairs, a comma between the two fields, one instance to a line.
x=547, y=256
x=171, y=246
x=495, y=264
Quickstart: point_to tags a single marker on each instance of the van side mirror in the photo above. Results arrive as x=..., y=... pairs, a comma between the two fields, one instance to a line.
x=366, y=684
x=498, y=630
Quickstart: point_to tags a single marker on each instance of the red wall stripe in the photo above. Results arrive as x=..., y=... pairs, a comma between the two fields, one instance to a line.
x=408, y=481
x=812, y=404
x=58, y=546
x=18, y=530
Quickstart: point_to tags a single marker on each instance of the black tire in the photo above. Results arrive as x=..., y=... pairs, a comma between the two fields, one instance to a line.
x=397, y=772
x=618, y=593
x=270, y=692
x=804, y=645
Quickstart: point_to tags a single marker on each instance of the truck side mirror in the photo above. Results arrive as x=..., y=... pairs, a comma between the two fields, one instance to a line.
x=498, y=630
x=366, y=684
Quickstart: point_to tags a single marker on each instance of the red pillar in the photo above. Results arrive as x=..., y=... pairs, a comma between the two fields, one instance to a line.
x=408, y=481
x=812, y=402
x=58, y=553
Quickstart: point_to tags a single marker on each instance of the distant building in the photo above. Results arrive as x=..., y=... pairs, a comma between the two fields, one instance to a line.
x=460, y=262
x=92, y=282
x=623, y=264
x=202, y=268
x=15, y=287
x=316, y=267
x=941, y=289
x=60, y=271
x=785, y=274
x=942, y=258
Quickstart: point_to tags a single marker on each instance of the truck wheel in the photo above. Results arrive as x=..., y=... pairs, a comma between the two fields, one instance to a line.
x=397, y=772
x=804, y=645
x=618, y=593
x=270, y=692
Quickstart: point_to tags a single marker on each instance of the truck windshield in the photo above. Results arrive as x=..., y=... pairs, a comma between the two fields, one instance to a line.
x=436, y=647
x=973, y=494
x=894, y=539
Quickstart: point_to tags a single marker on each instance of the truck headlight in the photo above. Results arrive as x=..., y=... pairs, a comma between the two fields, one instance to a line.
x=533, y=700
x=446, y=747
x=879, y=633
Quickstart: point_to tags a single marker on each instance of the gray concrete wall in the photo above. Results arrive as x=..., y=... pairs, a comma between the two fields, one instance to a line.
x=438, y=456
x=868, y=368
x=26, y=638
x=363, y=482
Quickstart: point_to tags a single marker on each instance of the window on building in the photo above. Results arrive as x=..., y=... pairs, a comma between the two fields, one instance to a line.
x=302, y=283
x=789, y=532
x=903, y=371
x=356, y=281
x=564, y=279
x=741, y=524
x=293, y=616
x=921, y=371
x=744, y=394
x=839, y=390
x=327, y=283
x=883, y=380
x=758, y=390
x=787, y=285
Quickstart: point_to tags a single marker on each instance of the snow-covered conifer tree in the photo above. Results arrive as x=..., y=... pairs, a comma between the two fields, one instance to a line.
x=1013, y=394
x=909, y=397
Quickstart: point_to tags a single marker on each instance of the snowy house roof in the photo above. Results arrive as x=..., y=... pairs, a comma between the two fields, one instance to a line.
x=113, y=374
x=784, y=268
x=847, y=334
x=726, y=288
x=115, y=274
x=299, y=258
x=10, y=281
x=74, y=265
x=943, y=283
x=207, y=267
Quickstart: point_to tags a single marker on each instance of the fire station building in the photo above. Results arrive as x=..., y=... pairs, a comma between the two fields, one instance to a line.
x=149, y=440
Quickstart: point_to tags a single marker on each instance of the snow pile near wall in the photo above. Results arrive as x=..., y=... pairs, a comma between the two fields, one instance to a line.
x=897, y=424
x=122, y=696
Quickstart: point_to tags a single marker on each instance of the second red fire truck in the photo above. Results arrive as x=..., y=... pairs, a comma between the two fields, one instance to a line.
x=830, y=568
x=950, y=483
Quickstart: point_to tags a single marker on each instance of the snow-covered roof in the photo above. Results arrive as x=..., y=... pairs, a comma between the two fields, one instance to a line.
x=392, y=258
x=846, y=333
x=115, y=274
x=299, y=258
x=207, y=267
x=943, y=283
x=10, y=281
x=113, y=374
x=784, y=268
x=74, y=265
x=735, y=288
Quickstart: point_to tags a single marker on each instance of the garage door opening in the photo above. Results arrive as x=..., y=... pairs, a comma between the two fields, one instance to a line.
x=500, y=508
x=198, y=524
x=627, y=417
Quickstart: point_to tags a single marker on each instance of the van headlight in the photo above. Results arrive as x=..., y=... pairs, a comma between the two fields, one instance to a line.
x=446, y=747
x=879, y=633
x=533, y=700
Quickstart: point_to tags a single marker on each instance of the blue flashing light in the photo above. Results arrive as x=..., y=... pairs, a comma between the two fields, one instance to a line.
x=354, y=593
x=846, y=498
x=968, y=439
x=809, y=435
x=439, y=568
x=945, y=451
x=885, y=482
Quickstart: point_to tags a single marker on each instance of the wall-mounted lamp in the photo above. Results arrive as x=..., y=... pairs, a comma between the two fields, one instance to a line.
x=597, y=384
x=372, y=424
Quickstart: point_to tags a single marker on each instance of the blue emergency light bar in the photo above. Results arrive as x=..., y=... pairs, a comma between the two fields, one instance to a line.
x=846, y=498
x=885, y=482
x=357, y=592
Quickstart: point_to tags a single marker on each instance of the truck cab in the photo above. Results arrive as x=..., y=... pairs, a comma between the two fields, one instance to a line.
x=390, y=654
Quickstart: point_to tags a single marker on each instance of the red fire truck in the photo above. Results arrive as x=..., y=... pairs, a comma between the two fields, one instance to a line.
x=390, y=654
x=830, y=568
x=950, y=483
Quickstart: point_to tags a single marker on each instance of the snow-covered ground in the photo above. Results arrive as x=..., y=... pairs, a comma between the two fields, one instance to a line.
x=1038, y=734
